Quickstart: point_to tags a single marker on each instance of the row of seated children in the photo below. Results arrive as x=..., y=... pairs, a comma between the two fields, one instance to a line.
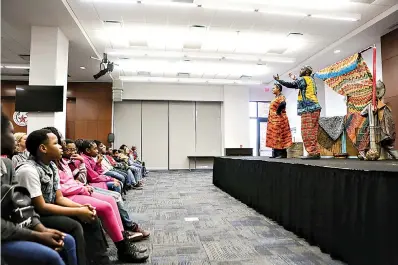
x=69, y=197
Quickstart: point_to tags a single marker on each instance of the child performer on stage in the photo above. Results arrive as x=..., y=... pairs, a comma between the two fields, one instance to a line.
x=279, y=137
x=308, y=108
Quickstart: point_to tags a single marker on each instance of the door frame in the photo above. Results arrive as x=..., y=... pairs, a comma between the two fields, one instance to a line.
x=259, y=121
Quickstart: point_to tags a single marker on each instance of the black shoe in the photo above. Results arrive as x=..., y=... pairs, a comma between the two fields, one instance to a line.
x=311, y=157
x=140, y=249
x=126, y=253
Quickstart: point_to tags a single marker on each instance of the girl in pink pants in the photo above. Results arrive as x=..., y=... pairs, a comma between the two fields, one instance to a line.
x=105, y=205
x=107, y=211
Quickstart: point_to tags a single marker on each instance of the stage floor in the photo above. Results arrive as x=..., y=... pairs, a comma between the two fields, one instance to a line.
x=351, y=164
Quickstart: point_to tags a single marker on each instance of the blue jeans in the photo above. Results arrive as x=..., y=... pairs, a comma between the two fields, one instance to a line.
x=128, y=175
x=111, y=186
x=68, y=252
x=137, y=173
x=130, y=178
x=115, y=175
x=26, y=252
x=124, y=215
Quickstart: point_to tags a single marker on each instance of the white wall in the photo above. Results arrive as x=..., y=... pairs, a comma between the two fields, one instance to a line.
x=181, y=133
x=128, y=127
x=48, y=66
x=208, y=129
x=236, y=117
x=177, y=92
x=235, y=104
x=291, y=111
x=155, y=134
x=167, y=132
x=259, y=93
x=334, y=103
x=39, y=120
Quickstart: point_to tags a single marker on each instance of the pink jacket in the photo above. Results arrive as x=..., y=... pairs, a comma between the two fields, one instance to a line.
x=69, y=186
x=94, y=171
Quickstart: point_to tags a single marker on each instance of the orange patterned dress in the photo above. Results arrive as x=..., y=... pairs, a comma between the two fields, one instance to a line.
x=278, y=129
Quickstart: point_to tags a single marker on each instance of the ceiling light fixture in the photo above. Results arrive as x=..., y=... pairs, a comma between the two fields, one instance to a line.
x=194, y=67
x=140, y=79
x=337, y=51
x=190, y=55
x=283, y=13
x=343, y=18
x=82, y=67
x=229, y=8
x=317, y=4
x=166, y=3
x=16, y=66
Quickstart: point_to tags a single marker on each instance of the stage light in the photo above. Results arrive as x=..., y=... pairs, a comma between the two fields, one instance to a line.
x=106, y=66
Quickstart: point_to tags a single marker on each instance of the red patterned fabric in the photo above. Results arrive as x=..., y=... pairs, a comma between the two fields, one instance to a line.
x=278, y=129
x=309, y=131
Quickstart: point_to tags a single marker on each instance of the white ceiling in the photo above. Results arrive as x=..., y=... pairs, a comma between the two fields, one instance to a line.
x=159, y=41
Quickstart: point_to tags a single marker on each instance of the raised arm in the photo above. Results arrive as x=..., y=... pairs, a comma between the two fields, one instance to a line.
x=93, y=176
x=294, y=84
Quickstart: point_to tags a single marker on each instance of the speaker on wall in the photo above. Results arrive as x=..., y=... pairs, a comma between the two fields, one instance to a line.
x=111, y=138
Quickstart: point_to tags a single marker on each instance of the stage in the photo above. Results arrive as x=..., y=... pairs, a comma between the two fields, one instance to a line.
x=347, y=207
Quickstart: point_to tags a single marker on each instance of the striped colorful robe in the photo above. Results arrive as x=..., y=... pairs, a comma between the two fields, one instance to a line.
x=278, y=129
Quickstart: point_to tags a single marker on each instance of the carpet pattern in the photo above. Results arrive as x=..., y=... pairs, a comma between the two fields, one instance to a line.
x=228, y=232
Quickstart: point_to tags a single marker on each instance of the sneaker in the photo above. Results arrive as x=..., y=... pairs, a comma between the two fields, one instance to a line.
x=133, y=236
x=126, y=253
x=140, y=249
x=138, y=229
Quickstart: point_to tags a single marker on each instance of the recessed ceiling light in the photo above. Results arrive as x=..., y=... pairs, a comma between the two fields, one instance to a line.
x=16, y=66
x=82, y=67
x=337, y=51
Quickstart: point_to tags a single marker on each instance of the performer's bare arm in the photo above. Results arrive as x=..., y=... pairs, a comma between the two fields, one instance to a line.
x=281, y=107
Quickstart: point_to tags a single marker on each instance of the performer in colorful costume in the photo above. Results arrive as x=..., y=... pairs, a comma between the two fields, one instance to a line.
x=384, y=121
x=308, y=108
x=279, y=137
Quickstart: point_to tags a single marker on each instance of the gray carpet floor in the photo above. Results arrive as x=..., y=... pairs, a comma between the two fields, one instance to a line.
x=194, y=223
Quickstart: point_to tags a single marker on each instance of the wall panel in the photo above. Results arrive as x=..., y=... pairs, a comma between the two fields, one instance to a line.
x=181, y=133
x=155, y=134
x=127, y=124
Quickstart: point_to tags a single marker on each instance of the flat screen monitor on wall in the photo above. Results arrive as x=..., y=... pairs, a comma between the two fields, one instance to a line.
x=39, y=98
